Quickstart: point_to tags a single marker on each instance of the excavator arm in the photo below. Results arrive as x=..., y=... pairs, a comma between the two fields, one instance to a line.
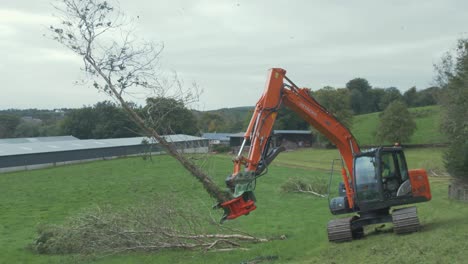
x=280, y=90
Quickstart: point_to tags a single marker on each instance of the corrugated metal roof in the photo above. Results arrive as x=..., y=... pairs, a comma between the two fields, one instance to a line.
x=278, y=132
x=42, y=147
x=36, y=139
x=303, y=132
x=217, y=136
x=240, y=134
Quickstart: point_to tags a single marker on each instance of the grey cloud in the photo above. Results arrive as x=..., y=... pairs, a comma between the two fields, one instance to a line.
x=227, y=46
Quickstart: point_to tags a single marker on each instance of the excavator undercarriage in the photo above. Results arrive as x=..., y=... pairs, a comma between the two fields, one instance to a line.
x=404, y=220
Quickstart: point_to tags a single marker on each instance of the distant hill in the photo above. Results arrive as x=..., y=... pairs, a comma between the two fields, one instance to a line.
x=427, y=126
x=236, y=117
x=235, y=113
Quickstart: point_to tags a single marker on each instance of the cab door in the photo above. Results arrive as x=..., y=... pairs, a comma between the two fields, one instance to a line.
x=368, y=183
x=394, y=173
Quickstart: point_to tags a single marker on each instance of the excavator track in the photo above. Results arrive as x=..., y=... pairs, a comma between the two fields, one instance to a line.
x=339, y=230
x=405, y=220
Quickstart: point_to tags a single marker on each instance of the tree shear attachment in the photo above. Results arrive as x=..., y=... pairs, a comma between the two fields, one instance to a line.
x=239, y=206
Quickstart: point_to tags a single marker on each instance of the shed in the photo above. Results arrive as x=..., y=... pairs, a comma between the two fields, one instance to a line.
x=217, y=138
x=287, y=138
x=44, y=153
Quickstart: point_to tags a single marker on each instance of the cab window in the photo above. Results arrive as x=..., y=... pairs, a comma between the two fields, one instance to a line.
x=367, y=186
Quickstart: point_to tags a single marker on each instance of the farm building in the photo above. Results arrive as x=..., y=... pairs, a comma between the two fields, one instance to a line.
x=287, y=138
x=33, y=153
x=217, y=138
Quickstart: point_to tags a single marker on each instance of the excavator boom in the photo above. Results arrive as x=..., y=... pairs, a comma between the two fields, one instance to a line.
x=281, y=90
x=374, y=180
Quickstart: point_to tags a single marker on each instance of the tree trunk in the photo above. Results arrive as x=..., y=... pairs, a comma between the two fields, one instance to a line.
x=212, y=189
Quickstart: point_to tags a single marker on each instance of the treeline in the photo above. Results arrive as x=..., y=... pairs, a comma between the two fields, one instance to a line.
x=169, y=116
x=359, y=97
x=30, y=122
x=102, y=120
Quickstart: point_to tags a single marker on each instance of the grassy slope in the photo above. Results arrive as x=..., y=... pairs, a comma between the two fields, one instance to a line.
x=427, y=122
x=48, y=196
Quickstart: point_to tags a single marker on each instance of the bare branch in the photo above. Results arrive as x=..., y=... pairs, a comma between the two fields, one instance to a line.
x=117, y=61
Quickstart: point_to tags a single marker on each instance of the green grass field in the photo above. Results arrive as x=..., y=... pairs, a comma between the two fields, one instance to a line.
x=30, y=198
x=427, y=120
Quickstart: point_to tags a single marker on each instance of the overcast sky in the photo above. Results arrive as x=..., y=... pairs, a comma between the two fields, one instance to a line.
x=228, y=46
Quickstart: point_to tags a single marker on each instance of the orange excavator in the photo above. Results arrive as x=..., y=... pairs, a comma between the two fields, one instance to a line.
x=373, y=181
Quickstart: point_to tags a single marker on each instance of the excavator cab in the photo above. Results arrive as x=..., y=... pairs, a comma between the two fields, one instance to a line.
x=381, y=175
x=381, y=180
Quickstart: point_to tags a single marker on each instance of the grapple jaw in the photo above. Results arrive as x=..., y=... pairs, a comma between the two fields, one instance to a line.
x=239, y=206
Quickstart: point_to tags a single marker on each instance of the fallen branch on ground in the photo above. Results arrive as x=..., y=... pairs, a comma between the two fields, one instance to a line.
x=299, y=186
x=150, y=227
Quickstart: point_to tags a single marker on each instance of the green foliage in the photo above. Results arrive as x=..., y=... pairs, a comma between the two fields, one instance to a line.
x=80, y=123
x=366, y=99
x=28, y=129
x=390, y=95
x=289, y=120
x=212, y=122
x=169, y=116
x=8, y=124
x=415, y=98
x=360, y=89
x=103, y=120
x=359, y=84
x=396, y=124
x=46, y=116
x=338, y=103
x=37, y=122
x=229, y=120
x=453, y=78
x=427, y=123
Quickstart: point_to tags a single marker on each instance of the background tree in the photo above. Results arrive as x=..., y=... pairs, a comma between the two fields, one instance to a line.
x=360, y=100
x=395, y=124
x=102, y=120
x=120, y=64
x=113, y=122
x=287, y=119
x=169, y=116
x=36, y=122
x=212, y=122
x=452, y=76
x=28, y=129
x=8, y=124
x=410, y=96
x=375, y=96
x=415, y=98
x=80, y=123
x=428, y=96
x=337, y=102
x=390, y=95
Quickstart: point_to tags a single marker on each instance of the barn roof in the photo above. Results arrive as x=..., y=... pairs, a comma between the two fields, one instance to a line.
x=217, y=136
x=301, y=132
x=277, y=132
x=68, y=145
